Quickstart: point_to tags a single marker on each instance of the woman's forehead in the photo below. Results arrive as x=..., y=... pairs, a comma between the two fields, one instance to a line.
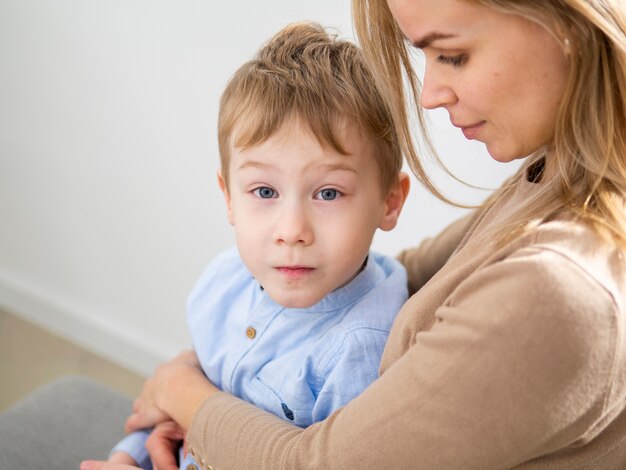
x=424, y=21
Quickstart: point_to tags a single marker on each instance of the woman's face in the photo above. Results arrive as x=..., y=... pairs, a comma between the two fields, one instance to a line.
x=501, y=77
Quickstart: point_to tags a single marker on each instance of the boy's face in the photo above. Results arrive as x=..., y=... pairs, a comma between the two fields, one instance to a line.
x=304, y=215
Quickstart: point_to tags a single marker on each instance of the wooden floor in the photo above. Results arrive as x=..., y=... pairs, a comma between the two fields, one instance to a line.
x=31, y=357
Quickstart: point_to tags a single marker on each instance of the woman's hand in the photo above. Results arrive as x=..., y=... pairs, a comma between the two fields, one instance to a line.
x=174, y=392
x=146, y=412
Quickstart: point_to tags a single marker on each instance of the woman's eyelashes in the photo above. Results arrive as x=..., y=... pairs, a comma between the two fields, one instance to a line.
x=455, y=60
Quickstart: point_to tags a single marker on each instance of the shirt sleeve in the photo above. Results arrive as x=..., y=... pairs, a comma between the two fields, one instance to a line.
x=351, y=368
x=134, y=444
x=517, y=366
x=425, y=260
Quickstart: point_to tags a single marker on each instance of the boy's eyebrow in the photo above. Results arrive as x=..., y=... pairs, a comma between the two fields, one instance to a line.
x=340, y=166
x=253, y=164
x=337, y=167
x=425, y=41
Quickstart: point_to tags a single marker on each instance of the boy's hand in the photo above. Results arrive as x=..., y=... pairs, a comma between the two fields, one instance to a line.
x=99, y=465
x=122, y=458
x=117, y=461
x=163, y=444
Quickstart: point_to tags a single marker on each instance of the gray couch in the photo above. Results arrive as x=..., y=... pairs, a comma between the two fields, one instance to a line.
x=58, y=426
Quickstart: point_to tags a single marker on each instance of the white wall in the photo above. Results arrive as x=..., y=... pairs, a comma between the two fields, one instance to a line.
x=108, y=204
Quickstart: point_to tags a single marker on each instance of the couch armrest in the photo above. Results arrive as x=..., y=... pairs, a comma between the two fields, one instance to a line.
x=62, y=423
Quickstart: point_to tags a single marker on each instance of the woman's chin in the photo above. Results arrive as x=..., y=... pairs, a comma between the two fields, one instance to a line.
x=503, y=156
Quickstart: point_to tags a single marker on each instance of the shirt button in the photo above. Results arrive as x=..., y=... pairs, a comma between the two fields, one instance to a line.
x=250, y=332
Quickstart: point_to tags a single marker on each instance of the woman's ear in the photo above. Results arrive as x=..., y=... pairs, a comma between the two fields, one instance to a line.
x=394, y=202
x=227, y=200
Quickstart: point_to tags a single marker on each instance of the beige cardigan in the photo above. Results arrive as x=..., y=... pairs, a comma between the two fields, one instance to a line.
x=507, y=358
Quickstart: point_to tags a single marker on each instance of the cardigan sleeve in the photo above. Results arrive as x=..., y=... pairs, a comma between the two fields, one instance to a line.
x=422, y=262
x=518, y=365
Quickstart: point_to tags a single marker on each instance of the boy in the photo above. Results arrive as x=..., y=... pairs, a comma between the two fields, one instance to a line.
x=296, y=318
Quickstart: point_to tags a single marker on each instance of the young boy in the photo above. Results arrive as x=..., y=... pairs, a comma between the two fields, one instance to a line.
x=296, y=318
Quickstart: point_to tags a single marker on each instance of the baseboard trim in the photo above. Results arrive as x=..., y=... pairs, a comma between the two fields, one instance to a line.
x=79, y=327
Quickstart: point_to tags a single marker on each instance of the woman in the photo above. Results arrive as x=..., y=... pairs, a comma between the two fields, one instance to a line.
x=511, y=352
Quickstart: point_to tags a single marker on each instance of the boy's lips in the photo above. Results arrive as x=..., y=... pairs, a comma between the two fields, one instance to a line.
x=294, y=271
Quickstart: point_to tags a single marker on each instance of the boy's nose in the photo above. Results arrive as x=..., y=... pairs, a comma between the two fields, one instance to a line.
x=293, y=227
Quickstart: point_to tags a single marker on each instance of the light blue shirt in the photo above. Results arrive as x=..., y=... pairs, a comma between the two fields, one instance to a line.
x=299, y=364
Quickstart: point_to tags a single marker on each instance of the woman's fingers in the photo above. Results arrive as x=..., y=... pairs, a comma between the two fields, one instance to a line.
x=146, y=419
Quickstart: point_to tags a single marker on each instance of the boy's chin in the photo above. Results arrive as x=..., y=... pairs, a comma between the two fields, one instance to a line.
x=293, y=300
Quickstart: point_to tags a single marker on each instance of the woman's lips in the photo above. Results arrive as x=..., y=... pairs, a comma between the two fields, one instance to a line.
x=471, y=132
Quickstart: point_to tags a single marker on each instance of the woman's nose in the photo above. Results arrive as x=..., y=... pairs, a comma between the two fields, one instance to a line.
x=436, y=91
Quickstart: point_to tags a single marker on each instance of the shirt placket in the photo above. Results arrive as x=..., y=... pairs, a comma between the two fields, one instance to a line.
x=257, y=322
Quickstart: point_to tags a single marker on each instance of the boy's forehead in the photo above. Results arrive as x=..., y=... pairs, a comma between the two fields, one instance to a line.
x=343, y=137
x=300, y=159
x=275, y=151
x=315, y=162
x=252, y=132
x=295, y=146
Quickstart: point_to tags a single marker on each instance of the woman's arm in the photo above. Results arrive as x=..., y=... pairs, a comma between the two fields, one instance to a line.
x=517, y=366
x=425, y=260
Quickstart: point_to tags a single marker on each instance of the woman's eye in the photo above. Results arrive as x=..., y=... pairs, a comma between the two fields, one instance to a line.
x=328, y=194
x=455, y=61
x=265, y=192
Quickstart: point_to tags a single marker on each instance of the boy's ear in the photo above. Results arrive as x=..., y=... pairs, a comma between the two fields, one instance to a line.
x=229, y=209
x=394, y=202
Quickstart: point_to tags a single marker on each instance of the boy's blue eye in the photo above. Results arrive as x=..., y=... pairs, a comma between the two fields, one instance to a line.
x=328, y=194
x=264, y=192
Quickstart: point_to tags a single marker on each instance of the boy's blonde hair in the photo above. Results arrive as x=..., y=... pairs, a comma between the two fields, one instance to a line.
x=588, y=150
x=307, y=74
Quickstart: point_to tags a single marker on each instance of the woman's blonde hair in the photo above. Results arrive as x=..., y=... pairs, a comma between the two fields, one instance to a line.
x=588, y=150
x=307, y=74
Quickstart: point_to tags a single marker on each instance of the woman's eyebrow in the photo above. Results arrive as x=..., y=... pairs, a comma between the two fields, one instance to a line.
x=430, y=37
